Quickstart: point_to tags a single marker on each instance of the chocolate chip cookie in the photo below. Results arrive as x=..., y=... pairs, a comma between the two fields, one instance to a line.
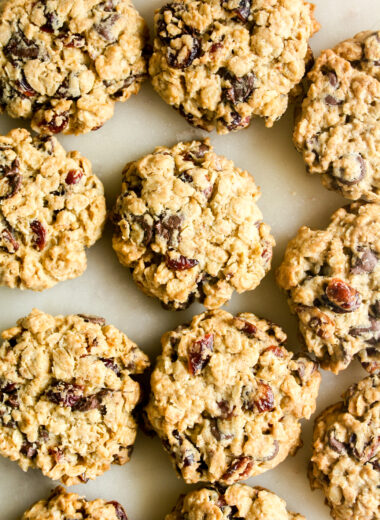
x=332, y=278
x=338, y=131
x=237, y=501
x=223, y=62
x=346, y=453
x=67, y=396
x=188, y=226
x=65, y=64
x=62, y=505
x=227, y=397
x=52, y=208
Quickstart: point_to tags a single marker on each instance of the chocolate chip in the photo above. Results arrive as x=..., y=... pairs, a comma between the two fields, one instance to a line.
x=19, y=47
x=331, y=75
x=178, y=60
x=375, y=309
x=330, y=100
x=23, y=86
x=93, y=319
x=110, y=363
x=341, y=297
x=104, y=28
x=29, y=449
x=196, y=155
x=239, y=469
x=76, y=41
x=39, y=239
x=240, y=89
x=181, y=264
x=276, y=449
x=169, y=227
x=200, y=354
x=226, y=411
x=366, y=263
x=185, y=177
x=8, y=238
x=334, y=444
x=64, y=394
x=349, y=169
x=91, y=402
x=119, y=510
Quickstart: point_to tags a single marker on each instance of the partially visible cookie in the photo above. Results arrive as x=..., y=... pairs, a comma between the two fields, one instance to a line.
x=237, y=501
x=52, y=207
x=332, y=278
x=221, y=63
x=67, y=396
x=62, y=505
x=338, y=130
x=64, y=64
x=346, y=453
x=227, y=397
x=188, y=226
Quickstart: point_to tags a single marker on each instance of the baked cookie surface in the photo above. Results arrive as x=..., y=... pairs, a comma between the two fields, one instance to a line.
x=67, y=396
x=332, y=278
x=52, y=207
x=62, y=505
x=221, y=63
x=338, y=131
x=187, y=224
x=227, y=397
x=346, y=452
x=64, y=63
x=238, y=500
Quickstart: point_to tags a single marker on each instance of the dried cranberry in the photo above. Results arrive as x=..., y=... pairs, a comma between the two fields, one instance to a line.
x=11, y=244
x=246, y=327
x=119, y=510
x=342, y=297
x=104, y=28
x=226, y=410
x=185, y=177
x=264, y=398
x=176, y=59
x=277, y=351
x=23, y=86
x=64, y=394
x=93, y=319
x=57, y=123
x=29, y=449
x=56, y=454
x=237, y=121
x=14, y=181
x=110, y=363
x=73, y=177
x=239, y=469
x=181, y=264
x=197, y=154
x=200, y=353
x=240, y=89
x=52, y=23
x=90, y=402
x=334, y=444
x=76, y=41
x=39, y=231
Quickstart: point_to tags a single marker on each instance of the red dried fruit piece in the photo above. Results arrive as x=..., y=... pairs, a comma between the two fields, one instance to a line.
x=29, y=449
x=39, y=240
x=342, y=297
x=119, y=510
x=226, y=411
x=277, y=351
x=56, y=454
x=65, y=394
x=181, y=264
x=321, y=324
x=57, y=123
x=23, y=86
x=73, y=177
x=264, y=398
x=200, y=353
x=14, y=181
x=76, y=41
x=110, y=363
x=246, y=327
x=91, y=402
x=104, y=28
x=239, y=469
x=176, y=60
x=240, y=89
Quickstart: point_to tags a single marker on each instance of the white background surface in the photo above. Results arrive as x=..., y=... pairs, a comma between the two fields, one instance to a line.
x=147, y=486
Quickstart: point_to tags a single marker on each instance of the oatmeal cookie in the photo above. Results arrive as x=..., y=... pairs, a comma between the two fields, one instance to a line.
x=346, y=453
x=223, y=62
x=236, y=501
x=332, y=278
x=64, y=63
x=187, y=224
x=338, y=130
x=227, y=397
x=52, y=208
x=67, y=395
x=62, y=505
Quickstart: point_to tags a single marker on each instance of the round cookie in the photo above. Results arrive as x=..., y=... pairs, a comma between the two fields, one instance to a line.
x=237, y=501
x=221, y=63
x=332, y=278
x=227, y=397
x=188, y=226
x=52, y=208
x=67, y=396
x=338, y=129
x=62, y=505
x=64, y=64
x=346, y=453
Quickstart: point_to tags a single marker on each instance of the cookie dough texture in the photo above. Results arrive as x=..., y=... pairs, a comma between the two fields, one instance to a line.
x=227, y=397
x=338, y=131
x=52, y=208
x=62, y=505
x=332, y=278
x=187, y=224
x=346, y=452
x=238, y=500
x=223, y=62
x=64, y=63
x=67, y=395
